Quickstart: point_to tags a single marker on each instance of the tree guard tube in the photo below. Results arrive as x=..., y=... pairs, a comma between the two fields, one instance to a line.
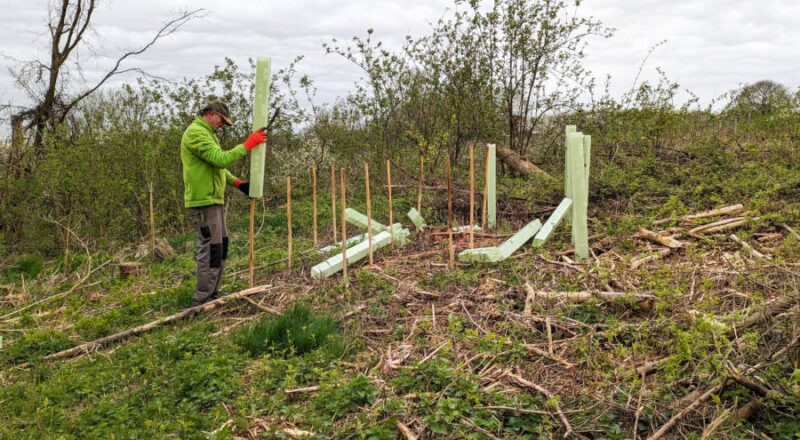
x=260, y=118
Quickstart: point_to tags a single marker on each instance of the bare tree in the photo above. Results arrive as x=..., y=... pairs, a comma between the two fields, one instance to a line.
x=47, y=82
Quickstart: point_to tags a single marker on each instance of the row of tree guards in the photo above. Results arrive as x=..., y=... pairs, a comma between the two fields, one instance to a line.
x=487, y=217
x=573, y=206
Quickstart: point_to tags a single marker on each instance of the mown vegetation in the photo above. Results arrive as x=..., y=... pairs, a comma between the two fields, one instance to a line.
x=410, y=347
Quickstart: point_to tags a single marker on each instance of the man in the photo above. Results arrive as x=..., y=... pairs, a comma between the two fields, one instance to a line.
x=205, y=177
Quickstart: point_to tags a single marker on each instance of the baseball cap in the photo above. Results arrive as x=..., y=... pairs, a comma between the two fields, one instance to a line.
x=222, y=109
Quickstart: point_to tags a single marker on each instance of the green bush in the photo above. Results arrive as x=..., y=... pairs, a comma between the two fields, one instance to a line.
x=297, y=330
x=28, y=266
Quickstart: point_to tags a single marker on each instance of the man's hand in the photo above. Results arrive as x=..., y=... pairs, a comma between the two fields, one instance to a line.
x=256, y=138
x=243, y=187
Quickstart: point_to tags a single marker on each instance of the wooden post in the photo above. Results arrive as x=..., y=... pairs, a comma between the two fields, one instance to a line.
x=333, y=200
x=252, y=235
x=152, y=225
x=289, y=216
x=450, y=216
x=485, y=188
x=421, y=179
x=389, y=187
x=314, y=201
x=369, y=211
x=344, y=227
x=471, y=196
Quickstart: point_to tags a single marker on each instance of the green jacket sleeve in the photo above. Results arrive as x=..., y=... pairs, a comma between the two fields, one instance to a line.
x=208, y=150
x=230, y=179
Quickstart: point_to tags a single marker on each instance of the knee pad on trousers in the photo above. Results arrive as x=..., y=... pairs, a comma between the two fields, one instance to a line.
x=216, y=255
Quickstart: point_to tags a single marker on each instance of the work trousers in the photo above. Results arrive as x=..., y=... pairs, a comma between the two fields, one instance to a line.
x=209, y=222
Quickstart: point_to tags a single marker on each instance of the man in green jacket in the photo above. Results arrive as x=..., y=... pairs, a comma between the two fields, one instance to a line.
x=205, y=177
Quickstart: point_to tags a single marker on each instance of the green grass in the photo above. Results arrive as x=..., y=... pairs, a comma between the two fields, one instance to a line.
x=296, y=331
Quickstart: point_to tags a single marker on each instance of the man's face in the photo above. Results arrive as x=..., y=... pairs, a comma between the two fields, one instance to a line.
x=217, y=121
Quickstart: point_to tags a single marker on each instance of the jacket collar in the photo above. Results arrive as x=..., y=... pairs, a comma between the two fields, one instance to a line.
x=202, y=122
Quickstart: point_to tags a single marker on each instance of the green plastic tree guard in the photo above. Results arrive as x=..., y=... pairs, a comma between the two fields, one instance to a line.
x=580, y=190
x=258, y=154
x=416, y=218
x=505, y=250
x=491, y=196
x=360, y=220
x=334, y=264
x=567, y=184
x=520, y=238
x=550, y=225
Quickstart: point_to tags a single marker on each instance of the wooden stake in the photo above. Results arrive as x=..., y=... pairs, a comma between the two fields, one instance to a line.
x=471, y=196
x=450, y=216
x=152, y=225
x=333, y=200
x=389, y=186
x=289, y=216
x=369, y=211
x=485, y=189
x=421, y=179
x=314, y=201
x=344, y=226
x=252, y=244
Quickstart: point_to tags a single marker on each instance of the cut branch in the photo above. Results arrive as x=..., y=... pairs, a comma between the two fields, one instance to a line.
x=96, y=344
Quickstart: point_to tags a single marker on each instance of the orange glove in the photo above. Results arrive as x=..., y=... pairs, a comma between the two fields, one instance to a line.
x=256, y=138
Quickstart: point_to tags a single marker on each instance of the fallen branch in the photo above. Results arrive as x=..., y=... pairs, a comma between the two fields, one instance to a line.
x=637, y=263
x=792, y=231
x=408, y=434
x=305, y=390
x=691, y=407
x=658, y=238
x=730, y=223
x=94, y=345
x=642, y=300
x=714, y=212
x=747, y=247
x=538, y=388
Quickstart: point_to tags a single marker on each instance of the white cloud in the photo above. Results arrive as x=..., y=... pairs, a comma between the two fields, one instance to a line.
x=712, y=46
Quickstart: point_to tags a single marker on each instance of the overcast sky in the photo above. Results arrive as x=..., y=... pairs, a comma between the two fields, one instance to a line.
x=712, y=46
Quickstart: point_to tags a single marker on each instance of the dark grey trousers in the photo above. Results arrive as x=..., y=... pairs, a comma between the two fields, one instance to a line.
x=209, y=222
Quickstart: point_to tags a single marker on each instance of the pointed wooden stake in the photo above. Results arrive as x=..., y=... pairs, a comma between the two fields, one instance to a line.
x=369, y=212
x=344, y=226
x=289, y=216
x=314, y=200
x=471, y=196
x=333, y=200
x=389, y=187
x=252, y=236
x=421, y=179
x=450, y=216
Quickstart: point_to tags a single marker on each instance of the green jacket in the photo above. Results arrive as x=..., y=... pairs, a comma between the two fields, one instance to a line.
x=204, y=165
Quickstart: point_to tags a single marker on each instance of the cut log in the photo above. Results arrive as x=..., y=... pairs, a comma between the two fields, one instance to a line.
x=658, y=238
x=642, y=300
x=512, y=159
x=94, y=345
x=747, y=247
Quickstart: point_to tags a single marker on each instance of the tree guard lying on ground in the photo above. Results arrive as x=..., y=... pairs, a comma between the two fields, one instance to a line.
x=334, y=264
x=552, y=222
x=416, y=218
x=505, y=250
x=361, y=221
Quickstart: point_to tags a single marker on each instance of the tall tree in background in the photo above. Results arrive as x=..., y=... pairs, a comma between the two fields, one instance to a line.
x=761, y=98
x=50, y=83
